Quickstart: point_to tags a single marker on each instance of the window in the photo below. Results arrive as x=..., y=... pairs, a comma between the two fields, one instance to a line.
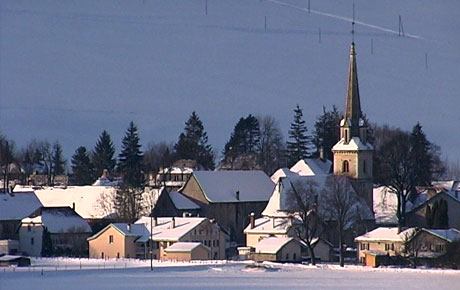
x=345, y=166
x=102, y=255
x=29, y=228
x=287, y=256
x=392, y=247
x=31, y=241
x=387, y=247
x=364, y=166
x=346, y=135
x=118, y=255
x=367, y=246
x=294, y=258
x=363, y=246
x=111, y=239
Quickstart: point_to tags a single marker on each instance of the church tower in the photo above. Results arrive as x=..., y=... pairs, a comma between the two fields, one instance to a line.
x=353, y=154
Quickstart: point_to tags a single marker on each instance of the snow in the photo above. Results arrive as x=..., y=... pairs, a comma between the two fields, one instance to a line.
x=282, y=172
x=354, y=144
x=88, y=200
x=135, y=274
x=222, y=186
x=18, y=206
x=183, y=247
x=164, y=231
x=385, y=234
x=272, y=245
x=181, y=201
x=60, y=220
x=312, y=166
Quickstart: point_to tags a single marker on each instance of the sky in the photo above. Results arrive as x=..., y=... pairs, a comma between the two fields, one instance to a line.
x=71, y=69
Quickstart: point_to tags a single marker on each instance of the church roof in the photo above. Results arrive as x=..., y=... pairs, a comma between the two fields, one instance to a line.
x=353, y=105
x=354, y=144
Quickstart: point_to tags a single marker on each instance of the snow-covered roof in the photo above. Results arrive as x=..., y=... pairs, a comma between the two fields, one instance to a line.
x=177, y=170
x=354, y=144
x=385, y=234
x=164, y=231
x=131, y=230
x=183, y=247
x=222, y=186
x=18, y=206
x=104, y=181
x=449, y=235
x=312, y=166
x=181, y=201
x=91, y=202
x=272, y=245
x=270, y=226
x=282, y=201
x=282, y=172
x=60, y=220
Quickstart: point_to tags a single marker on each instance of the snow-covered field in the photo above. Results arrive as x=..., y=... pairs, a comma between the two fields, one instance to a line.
x=69, y=69
x=121, y=274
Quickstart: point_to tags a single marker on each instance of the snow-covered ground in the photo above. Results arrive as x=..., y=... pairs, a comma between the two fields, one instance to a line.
x=69, y=69
x=132, y=274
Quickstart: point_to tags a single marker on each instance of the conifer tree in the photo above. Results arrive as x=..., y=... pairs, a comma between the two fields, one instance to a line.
x=245, y=138
x=130, y=160
x=420, y=154
x=326, y=133
x=298, y=142
x=82, y=168
x=428, y=218
x=193, y=143
x=102, y=157
x=57, y=160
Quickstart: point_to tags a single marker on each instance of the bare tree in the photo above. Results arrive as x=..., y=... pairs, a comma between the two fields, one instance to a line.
x=412, y=245
x=272, y=146
x=157, y=156
x=6, y=160
x=341, y=200
x=303, y=204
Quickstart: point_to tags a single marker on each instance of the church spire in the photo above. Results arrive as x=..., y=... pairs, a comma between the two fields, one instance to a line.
x=353, y=112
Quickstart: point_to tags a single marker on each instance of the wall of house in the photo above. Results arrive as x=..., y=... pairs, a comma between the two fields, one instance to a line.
x=322, y=251
x=426, y=242
x=418, y=218
x=31, y=239
x=199, y=253
x=260, y=257
x=290, y=252
x=193, y=190
x=101, y=247
x=382, y=246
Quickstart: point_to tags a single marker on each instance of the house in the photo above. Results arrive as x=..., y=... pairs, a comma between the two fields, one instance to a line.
x=54, y=231
x=421, y=243
x=13, y=208
x=187, y=251
x=277, y=249
x=229, y=197
x=173, y=178
x=382, y=240
x=121, y=240
x=385, y=205
x=305, y=167
x=12, y=260
x=9, y=247
x=174, y=204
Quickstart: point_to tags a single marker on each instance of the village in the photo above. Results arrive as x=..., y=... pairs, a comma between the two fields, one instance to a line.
x=317, y=211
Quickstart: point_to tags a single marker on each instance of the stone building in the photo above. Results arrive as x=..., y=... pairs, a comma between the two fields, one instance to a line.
x=353, y=153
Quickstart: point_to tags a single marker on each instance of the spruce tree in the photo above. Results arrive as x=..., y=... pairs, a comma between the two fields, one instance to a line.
x=297, y=146
x=326, y=133
x=421, y=157
x=130, y=160
x=428, y=218
x=57, y=160
x=193, y=143
x=82, y=168
x=444, y=215
x=436, y=215
x=102, y=158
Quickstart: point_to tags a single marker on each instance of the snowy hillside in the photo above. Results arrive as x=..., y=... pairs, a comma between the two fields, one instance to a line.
x=69, y=69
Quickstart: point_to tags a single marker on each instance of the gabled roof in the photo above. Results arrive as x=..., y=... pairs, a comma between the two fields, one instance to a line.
x=282, y=172
x=282, y=202
x=383, y=234
x=126, y=229
x=312, y=166
x=60, y=220
x=186, y=247
x=164, y=230
x=18, y=206
x=181, y=202
x=270, y=226
x=449, y=235
x=222, y=186
x=273, y=245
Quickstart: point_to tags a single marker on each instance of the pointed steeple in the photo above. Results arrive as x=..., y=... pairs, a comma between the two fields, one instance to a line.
x=353, y=112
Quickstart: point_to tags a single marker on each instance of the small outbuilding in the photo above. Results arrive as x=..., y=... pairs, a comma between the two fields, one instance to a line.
x=277, y=249
x=11, y=260
x=187, y=251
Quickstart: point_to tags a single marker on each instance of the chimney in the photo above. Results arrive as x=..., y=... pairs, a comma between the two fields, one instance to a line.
x=173, y=222
x=155, y=221
x=105, y=173
x=73, y=206
x=237, y=195
x=184, y=214
x=128, y=227
x=252, y=220
x=321, y=153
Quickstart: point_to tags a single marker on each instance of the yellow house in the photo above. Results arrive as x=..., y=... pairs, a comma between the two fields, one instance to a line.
x=277, y=250
x=121, y=240
x=186, y=251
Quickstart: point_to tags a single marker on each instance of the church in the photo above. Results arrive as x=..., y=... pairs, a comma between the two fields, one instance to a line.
x=352, y=158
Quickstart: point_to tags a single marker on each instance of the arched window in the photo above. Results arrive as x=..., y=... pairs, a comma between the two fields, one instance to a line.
x=346, y=136
x=345, y=166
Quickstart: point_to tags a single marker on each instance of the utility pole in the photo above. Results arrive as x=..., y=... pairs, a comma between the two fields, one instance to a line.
x=151, y=239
